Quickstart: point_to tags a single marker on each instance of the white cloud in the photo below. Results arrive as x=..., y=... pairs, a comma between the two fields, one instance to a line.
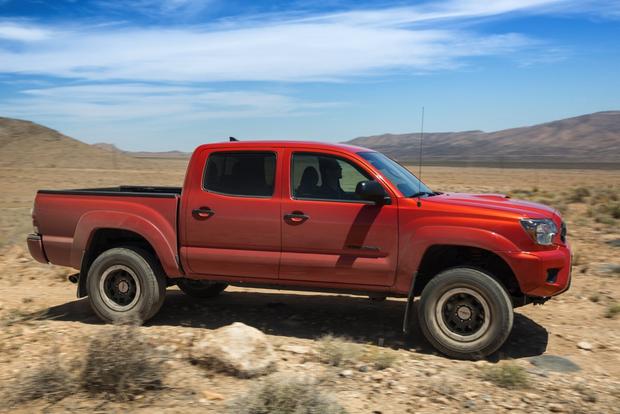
x=320, y=47
x=131, y=101
x=157, y=8
x=333, y=46
x=22, y=32
x=281, y=52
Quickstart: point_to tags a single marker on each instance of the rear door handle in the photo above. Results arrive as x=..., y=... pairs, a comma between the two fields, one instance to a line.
x=202, y=212
x=296, y=217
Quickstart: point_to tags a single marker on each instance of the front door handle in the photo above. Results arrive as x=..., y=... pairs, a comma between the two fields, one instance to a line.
x=296, y=217
x=202, y=212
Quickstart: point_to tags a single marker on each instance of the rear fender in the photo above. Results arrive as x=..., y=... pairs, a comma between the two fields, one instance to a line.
x=156, y=231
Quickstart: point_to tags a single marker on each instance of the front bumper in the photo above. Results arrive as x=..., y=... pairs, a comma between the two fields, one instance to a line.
x=543, y=273
x=35, y=247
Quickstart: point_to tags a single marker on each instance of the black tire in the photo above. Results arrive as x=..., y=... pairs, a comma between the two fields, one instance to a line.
x=465, y=313
x=134, y=271
x=201, y=289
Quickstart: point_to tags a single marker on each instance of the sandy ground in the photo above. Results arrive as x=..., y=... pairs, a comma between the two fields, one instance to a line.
x=420, y=380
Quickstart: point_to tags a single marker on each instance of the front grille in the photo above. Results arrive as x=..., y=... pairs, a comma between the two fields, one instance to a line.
x=563, y=232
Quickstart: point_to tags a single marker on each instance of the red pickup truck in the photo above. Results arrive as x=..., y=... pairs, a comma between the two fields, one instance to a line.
x=309, y=216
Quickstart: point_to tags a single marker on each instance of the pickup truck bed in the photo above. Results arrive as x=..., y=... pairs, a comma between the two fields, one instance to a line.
x=68, y=219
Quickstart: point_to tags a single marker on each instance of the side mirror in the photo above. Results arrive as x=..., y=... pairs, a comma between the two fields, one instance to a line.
x=371, y=191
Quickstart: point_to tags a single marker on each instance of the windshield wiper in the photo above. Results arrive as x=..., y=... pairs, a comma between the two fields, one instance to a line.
x=422, y=193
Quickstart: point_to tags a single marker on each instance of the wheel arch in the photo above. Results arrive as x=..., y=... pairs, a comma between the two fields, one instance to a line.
x=102, y=239
x=440, y=257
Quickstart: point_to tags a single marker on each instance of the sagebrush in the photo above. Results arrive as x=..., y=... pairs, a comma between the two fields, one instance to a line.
x=120, y=365
x=285, y=395
x=337, y=351
x=48, y=381
x=507, y=375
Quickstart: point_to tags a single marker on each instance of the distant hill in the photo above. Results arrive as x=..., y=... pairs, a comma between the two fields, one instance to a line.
x=587, y=140
x=144, y=154
x=593, y=138
x=25, y=143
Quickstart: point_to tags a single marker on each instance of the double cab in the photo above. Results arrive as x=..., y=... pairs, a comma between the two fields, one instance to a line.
x=309, y=216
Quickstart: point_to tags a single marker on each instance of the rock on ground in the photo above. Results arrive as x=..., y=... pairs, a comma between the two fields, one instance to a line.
x=237, y=349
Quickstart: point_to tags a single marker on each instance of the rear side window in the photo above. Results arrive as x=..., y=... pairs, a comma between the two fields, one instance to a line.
x=241, y=173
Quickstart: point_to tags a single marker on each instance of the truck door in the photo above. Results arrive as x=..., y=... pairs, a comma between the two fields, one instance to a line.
x=329, y=235
x=232, y=215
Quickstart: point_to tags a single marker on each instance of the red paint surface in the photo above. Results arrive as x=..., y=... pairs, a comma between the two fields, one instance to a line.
x=248, y=239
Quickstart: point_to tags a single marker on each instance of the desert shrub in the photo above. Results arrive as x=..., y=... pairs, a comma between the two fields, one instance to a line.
x=586, y=392
x=48, y=381
x=613, y=310
x=521, y=193
x=605, y=206
x=120, y=365
x=561, y=207
x=578, y=195
x=336, y=350
x=506, y=375
x=380, y=358
x=604, y=219
x=285, y=395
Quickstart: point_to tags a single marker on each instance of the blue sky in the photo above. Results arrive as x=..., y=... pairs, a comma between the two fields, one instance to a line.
x=171, y=74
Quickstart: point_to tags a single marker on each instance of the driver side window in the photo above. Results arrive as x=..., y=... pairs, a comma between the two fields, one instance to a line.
x=324, y=177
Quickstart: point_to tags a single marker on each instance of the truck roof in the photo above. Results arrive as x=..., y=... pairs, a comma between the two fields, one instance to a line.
x=284, y=144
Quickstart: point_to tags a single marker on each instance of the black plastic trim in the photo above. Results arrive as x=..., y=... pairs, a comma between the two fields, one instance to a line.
x=122, y=191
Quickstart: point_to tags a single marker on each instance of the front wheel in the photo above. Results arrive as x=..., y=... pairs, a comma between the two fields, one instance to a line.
x=465, y=313
x=126, y=284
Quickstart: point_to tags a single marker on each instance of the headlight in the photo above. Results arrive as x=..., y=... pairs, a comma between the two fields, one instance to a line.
x=540, y=230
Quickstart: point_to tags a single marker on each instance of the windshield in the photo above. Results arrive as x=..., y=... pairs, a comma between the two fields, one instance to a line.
x=407, y=183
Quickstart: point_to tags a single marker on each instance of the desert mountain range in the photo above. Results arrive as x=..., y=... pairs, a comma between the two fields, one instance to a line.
x=588, y=139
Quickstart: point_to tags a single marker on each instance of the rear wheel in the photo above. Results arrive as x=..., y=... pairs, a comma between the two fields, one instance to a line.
x=465, y=313
x=126, y=284
x=202, y=289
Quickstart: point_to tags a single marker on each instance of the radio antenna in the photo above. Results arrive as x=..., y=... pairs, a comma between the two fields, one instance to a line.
x=420, y=158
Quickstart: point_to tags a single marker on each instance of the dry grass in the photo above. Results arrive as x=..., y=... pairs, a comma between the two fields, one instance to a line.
x=506, y=375
x=48, y=381
x=605, y=206
x=338, y=351
x=578, y=195
x=119, y=365
x=380, y=358
x=285, y=395
x=612, y=310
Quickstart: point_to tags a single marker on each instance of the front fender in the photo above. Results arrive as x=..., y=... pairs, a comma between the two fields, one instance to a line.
x=413, y=248
x=155, y=230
